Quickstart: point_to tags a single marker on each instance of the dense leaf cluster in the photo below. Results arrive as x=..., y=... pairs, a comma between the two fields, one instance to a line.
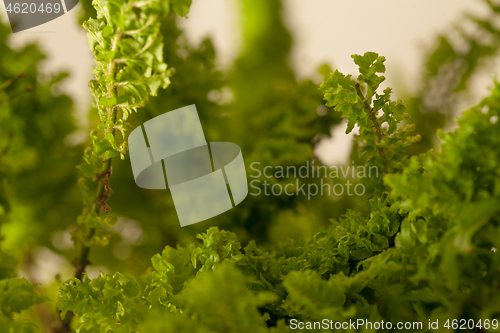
x=421, y=244
x=17, y=295
x=127, y=44
x=381, y=143
x=425, y=251
x=103, y=304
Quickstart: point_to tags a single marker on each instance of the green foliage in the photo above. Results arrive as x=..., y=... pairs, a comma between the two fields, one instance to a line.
x=261, y=106
x=452, y=201
x=359, y=101
x=176, y=289
x=229, y=313
x=22, y=125
x=36, y=166
x=17, y=295
x=195, y=77
x=421, y=244
x=457, y=55
x=107, y=303
x=274, y=118
x=127, y=44
x=424, y=252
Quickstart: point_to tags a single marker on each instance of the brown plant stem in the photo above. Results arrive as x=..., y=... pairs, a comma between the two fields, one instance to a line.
x=102, y=193
x=373, y=118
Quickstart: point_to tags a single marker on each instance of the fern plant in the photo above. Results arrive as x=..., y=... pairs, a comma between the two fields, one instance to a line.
x=127, y=45
x=365, y=266
x=419, y=246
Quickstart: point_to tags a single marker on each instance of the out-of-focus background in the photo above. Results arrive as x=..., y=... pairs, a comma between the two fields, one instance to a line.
x=255, y=81
x=323, y=31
